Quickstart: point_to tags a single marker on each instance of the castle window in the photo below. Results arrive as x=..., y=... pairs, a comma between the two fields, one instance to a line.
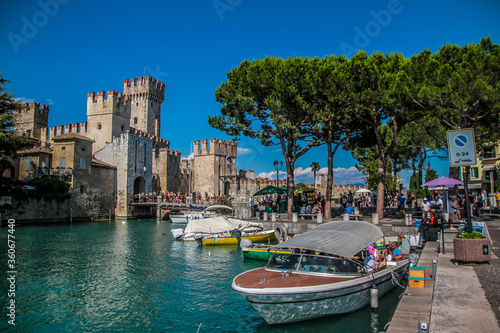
x=82, y=163
x=83, y=149
x=137, y=104
x=151, y=103
x=99, y=126
x=62, y=162
x=81, y=189
x=123, y=128
x=63, y=148
x=135, y=120
x=29, y=163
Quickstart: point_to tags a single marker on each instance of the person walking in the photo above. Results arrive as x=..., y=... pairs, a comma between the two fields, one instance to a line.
x=401, y=205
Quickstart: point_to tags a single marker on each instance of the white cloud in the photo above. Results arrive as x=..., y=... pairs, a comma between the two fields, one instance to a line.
x=268, y=175
x=244, y=151
x=49, y=101
x=342, y=176
x=24, y=100
x=190, y=157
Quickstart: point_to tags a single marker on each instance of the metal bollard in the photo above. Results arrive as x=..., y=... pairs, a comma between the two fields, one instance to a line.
x=434, y=268
x=423, y=327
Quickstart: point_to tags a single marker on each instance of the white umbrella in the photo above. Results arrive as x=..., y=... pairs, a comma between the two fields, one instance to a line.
x=363, y=190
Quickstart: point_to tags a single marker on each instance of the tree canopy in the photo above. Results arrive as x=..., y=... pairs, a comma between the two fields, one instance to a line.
x=10, y=141
x=389, y=111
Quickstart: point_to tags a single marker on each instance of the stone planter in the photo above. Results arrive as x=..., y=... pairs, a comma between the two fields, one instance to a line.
x=477, y=250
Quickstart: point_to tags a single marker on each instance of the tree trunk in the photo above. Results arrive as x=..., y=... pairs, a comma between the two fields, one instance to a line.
x=289, y=185
x=329, y=183
x=380, y=193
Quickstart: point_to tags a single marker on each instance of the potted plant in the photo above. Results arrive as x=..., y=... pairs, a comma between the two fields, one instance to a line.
x=472, y=246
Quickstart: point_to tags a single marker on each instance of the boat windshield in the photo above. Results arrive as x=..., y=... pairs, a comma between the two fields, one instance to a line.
x=313, y=263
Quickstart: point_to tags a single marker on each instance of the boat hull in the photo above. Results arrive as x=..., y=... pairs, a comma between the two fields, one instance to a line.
x=225, y=240
x=290, y=305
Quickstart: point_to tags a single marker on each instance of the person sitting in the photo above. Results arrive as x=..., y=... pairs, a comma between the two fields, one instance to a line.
x=397, y=254
x=316, y=209
x=349, y=209
x=308, y=209
x=302, y=210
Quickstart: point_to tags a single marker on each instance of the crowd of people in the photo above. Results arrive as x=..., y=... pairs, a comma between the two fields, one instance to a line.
x=196, y=198
x=302, y=203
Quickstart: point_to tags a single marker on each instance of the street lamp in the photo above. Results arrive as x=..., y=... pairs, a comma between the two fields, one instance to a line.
x=277, y=167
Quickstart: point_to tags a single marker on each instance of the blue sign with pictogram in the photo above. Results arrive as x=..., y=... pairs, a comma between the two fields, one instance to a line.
x=461, y=147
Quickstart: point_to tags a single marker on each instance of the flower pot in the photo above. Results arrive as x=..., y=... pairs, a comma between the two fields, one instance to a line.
x=476, y=250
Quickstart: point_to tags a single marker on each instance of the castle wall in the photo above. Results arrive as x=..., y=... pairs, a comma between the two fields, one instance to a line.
x=131, y=155
x=166, y=166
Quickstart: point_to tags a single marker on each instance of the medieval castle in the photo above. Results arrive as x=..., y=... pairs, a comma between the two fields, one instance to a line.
x=118, y=153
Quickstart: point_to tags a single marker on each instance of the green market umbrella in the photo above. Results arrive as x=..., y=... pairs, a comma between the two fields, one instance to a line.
x=271, y=190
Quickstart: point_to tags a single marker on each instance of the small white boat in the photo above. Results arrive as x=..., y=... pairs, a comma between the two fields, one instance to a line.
x=213, y=227
x=184, y=218
x=318, y=279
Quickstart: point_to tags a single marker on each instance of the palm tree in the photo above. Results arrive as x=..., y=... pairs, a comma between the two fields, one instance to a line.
x=314, y=168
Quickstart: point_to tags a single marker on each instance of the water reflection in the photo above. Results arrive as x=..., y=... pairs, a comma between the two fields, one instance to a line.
x=134, y=277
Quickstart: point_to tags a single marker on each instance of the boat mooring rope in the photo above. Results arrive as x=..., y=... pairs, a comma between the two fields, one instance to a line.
x=395, y=279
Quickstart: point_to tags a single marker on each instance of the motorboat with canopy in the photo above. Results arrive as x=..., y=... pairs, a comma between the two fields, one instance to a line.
x=321, y=277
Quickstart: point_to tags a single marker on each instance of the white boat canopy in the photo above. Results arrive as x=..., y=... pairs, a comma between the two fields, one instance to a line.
x=217, y=224
x=218, y=207
x=344, y=238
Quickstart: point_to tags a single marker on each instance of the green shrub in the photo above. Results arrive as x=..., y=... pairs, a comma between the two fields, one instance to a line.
x=469, y=235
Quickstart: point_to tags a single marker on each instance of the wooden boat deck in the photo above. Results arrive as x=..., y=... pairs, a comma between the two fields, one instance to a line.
x=273, y=279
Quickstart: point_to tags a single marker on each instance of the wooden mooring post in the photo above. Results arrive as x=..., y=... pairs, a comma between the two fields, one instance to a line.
x=158, y=207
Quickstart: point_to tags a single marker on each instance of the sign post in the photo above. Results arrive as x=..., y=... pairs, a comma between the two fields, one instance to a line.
x=462, y=153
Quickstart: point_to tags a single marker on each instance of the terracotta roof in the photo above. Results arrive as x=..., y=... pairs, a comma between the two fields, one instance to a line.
x=70, y=136
x=96, y=162
x=36, y=150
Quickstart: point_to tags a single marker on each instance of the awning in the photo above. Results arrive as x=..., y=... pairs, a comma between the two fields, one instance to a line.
x=344, y=238
x=490, y=167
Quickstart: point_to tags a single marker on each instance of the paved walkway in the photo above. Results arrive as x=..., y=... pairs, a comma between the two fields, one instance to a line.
x=462, y=298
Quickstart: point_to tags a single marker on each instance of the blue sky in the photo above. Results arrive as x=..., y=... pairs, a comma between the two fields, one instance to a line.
x=56, y=51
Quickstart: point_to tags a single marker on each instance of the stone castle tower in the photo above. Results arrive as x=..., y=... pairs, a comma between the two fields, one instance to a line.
x=214, y=165
x=31, y=119
x=146, y=95
x=108, y=116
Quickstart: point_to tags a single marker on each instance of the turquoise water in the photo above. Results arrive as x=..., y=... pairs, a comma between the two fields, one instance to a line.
x=133, y=277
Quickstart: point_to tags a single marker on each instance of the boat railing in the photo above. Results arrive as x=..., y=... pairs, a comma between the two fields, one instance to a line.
x=314, y=263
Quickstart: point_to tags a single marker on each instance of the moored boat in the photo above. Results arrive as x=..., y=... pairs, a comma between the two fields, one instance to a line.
x=260, y=252
x=213, y=227
x=231, y=239
x=305, y=285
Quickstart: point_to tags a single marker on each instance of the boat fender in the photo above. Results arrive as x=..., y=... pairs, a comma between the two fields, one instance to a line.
x=374, y=298
x=280, y=231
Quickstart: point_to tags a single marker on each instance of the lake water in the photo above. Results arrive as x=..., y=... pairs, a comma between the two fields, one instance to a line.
x=133, y=277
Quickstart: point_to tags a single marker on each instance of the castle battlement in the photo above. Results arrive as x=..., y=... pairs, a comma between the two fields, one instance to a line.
x=145, y=86
x=33, y=112
x=215, y=147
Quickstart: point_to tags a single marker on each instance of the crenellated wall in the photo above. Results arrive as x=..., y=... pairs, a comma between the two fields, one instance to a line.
x=31, y=118
x=214, y=165
x=146, y=95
